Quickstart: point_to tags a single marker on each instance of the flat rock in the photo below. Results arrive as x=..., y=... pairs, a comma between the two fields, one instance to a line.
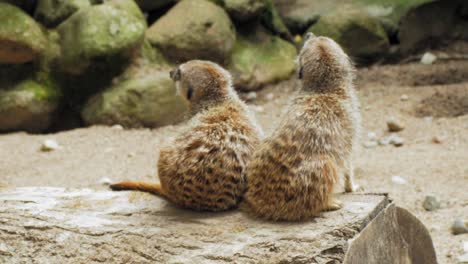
x=53, y=224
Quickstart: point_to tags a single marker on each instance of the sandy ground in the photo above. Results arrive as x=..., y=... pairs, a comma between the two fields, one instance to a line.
x=437, y=106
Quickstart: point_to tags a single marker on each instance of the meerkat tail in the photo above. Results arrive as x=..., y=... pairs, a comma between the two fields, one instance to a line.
x=154, y=188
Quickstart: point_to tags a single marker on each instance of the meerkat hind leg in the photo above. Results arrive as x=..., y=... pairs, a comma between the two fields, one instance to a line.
x=349, y=184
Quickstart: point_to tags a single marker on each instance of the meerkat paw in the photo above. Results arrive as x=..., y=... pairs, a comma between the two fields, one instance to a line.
x=333, y=205
x=353, y=188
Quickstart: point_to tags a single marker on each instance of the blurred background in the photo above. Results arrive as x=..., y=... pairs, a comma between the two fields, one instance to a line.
x=86, y=98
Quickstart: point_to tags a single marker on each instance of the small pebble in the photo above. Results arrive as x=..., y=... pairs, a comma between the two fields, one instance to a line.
x=395, y=125
x=370, y=144
x=428, y=118
x=372, y=136
x=118, y=127
x=404, y=97
x=431, y=203
x=397, y=141
x=465, y=246
x=251, y=96
x=384, y=141
x=436, y=140
x=270, y=96
x=399, y=180
x=50, y=145
x=428, y=58
x=259, y=109
x=459, y=227
x=105, y=181
x=131, y=155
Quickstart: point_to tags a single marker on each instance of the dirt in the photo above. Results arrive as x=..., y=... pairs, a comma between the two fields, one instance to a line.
x=436, y=107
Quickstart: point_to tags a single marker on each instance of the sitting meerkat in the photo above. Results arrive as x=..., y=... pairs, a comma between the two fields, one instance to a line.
x=293, y=173
x=204, y=168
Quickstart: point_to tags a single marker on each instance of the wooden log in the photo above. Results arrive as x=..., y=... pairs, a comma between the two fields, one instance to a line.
x=56, y=225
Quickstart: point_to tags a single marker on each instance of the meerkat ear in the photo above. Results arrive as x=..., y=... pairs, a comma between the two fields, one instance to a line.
x=189, y=92
x=309, y=35
x=175, y=74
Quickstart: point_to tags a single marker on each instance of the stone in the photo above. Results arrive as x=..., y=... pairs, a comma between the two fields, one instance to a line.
x=194, y=29
x=361, y=35
x=395, y=125
x=145, y=97
x=272, y=20
x=463, y=259
x=437, y=140
x=431, y=203
x=50, y=145
x=370, y=144
x=29, y=104
x=459, y=227
x=298, y=15
x=244, y=10
x=418, y=29
x=137, y=227
x=100, y=32
x=372, y=136
x=53, y=12
x=399, y=180
x=428, y=58
x=21, y=38
x=105, y=181
x=404, y=97
x=259, y=58
x=251, y=96
x=396, y=140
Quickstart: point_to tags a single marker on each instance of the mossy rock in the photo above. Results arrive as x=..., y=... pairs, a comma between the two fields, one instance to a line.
x=145, y=98
x=272, y=20
x=100, y=32
x=360, y=34
x=52, y=12
x=244, y=10
x=21, y=38
x=260, y=58
x=29, y=104
x=194, y=29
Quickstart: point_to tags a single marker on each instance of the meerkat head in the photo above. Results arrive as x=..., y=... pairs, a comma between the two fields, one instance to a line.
x=202, y=83
x=323, y=65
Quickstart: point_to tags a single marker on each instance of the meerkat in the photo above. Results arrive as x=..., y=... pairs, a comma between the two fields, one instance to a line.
x=204, y=168
x=293, y=172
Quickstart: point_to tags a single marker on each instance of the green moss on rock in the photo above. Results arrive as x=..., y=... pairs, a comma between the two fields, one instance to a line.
x=98, y=32
x=259, y=58
x=194, y=29
x=53, y=12
x=29, y=104
x=144, y=98
x=21, y=38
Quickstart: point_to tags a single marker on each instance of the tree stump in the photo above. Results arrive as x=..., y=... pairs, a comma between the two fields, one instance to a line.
x=56, y=225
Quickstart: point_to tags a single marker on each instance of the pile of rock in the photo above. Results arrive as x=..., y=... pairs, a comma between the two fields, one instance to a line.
x=107, y=60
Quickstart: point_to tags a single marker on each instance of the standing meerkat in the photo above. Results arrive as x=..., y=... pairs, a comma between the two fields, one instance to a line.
x=204, y=168
x=293, y=173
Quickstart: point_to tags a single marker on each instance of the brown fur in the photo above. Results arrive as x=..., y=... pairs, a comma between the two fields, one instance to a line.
x=204, y=168
x=293, y=173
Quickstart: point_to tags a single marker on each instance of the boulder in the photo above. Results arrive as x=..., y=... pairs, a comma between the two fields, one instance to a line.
x=298, y=15
x=88, y=226
x=259, y=58
x=431, y=23
x=244, y=10
x=29, y=104
x=53, y=12
x=272, y=20
x=99, y=33
x=361, y=35
x=21, y=38
x=194, y=29
x=144, y=96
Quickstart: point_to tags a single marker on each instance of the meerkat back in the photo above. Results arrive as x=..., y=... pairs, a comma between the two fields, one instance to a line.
x=204, y=168
x=293, y=173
